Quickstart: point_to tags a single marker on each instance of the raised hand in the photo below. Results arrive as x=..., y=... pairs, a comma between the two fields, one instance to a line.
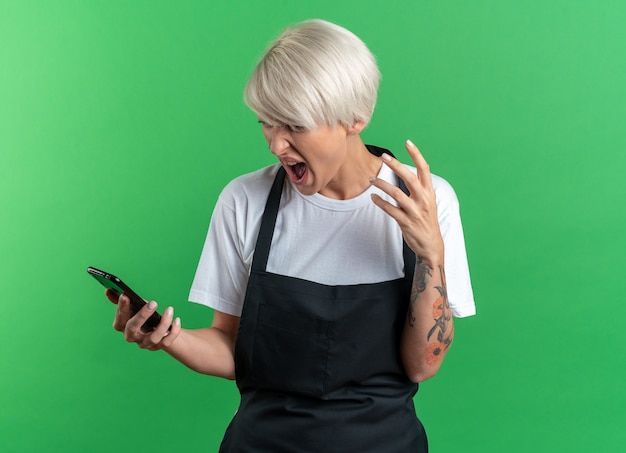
x=415, y=213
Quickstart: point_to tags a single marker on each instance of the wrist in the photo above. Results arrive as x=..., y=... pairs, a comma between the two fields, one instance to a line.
x=432, y=260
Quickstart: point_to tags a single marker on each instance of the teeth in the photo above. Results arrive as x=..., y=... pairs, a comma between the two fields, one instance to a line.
x=291, y=164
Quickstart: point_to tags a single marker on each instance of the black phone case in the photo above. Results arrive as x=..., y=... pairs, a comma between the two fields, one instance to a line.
x=112, y=282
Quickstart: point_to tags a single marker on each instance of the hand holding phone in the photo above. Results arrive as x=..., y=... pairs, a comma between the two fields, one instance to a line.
x=115, y=284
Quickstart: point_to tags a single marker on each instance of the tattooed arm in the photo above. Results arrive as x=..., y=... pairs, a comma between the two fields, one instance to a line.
x=428, y=330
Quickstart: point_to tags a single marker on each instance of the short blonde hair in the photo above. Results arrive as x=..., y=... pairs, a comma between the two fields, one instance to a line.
x=314, y=73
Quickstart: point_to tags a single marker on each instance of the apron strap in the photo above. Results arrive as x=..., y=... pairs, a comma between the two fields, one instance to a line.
x=268, y=222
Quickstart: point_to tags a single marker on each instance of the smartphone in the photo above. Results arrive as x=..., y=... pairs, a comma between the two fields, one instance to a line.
x=136, y=302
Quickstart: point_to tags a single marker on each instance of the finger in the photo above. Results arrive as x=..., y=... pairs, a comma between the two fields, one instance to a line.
x=401, y=198
x=112, y=295
x=123, y=305
x=398, y=214
x=162, y=329
x=122, y=313
x=133, y=326
x=409, y=177
x=423, y=169
x=173, y=333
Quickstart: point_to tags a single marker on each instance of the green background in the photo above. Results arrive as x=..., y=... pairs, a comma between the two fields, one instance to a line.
x=120, y=121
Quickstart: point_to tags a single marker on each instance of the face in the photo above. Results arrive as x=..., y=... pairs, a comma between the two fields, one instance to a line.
x=313, y=158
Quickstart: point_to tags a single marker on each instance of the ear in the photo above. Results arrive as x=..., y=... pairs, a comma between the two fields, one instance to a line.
x=357, y=127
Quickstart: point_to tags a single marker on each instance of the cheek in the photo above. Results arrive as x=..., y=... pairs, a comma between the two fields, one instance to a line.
x=334, y=154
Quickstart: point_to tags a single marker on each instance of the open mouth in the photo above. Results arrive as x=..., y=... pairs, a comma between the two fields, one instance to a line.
x=297, y=170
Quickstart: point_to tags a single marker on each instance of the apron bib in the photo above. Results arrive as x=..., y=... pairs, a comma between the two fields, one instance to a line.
x=317, y=366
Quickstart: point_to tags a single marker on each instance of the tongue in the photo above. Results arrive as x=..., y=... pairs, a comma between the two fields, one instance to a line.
x=299, y=170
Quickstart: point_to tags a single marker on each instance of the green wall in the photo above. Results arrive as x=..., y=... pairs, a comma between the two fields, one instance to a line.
x=120, y=122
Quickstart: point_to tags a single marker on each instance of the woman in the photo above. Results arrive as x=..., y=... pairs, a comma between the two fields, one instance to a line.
x=326, y=271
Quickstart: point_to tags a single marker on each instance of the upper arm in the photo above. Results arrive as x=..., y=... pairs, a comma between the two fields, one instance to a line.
x=227, y=324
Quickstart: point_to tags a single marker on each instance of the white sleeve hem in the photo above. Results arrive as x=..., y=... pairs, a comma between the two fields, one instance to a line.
x=464, y=312
x=215, y=303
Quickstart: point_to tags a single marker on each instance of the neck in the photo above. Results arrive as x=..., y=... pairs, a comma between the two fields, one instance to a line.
x=352, y=179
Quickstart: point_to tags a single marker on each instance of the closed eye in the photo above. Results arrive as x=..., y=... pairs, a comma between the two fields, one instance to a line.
x=289, y=127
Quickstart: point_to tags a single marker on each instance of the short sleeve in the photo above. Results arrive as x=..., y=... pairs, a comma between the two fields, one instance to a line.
x=221, y=276
x=458, y=281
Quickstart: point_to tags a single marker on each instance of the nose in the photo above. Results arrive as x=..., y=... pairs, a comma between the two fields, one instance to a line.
x=277, y=139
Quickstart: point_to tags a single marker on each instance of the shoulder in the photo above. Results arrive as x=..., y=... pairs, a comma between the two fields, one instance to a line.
x=249, y=188
x=446, y=196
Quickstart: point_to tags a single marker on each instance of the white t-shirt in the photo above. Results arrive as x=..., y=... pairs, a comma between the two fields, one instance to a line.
x=320, y=239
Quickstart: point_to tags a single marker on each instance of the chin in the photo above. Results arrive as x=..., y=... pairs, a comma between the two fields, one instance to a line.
x=306, y=190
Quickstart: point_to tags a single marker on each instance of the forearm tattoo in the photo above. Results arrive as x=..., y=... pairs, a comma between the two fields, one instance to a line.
x=420, y=280
x=442, y=328
x=441, y=333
